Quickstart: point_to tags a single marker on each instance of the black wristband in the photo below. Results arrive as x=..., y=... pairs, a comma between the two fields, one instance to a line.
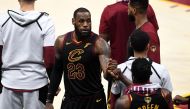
x=50, y=98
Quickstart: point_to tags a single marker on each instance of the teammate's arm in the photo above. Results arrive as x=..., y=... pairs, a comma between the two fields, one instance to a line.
x=56, y=74
x=123, y=102
x=178, y=99
x=168, y=97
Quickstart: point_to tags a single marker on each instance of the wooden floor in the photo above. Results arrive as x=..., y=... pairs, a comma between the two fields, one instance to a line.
x=174, y=32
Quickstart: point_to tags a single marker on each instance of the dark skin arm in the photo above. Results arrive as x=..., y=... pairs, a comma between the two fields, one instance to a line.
x=56, y=74
x=103, y=50
x=168, y=97
x=178, y=99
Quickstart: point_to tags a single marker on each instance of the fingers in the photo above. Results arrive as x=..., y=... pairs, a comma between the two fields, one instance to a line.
x=180, y=100
x=112, y=64
x=117, y=73
x=112, y=69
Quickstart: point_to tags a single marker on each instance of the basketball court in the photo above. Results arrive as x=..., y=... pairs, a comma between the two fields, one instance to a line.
x=173, y=19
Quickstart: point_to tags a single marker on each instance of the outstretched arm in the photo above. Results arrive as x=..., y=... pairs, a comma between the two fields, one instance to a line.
x=103, y=50
x=56, y=75
x=178, y=99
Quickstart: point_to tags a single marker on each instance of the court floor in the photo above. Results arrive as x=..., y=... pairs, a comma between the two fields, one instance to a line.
x=174, y=32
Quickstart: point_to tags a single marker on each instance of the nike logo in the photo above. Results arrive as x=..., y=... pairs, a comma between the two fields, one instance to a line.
x=98, y=100
x=67, y=43
x=87, y=44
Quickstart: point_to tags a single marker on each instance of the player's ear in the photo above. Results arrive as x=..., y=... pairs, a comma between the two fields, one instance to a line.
x=73, y=21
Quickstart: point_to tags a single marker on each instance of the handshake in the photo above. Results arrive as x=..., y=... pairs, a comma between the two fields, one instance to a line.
x=115, y=73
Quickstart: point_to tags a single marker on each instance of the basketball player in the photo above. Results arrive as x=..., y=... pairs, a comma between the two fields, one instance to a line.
x=27, y=38
x=140, y=44
x=80, y=55
x=116, y=28
x=137, y=10
x=143, y=94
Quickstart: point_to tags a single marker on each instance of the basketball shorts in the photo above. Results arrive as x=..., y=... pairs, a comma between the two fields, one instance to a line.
x=96, y=101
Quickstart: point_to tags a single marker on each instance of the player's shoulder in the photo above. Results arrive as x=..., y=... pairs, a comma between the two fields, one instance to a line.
x=60, y=41
x=157, y=65
x=63, y=37
x=148, y=28
x=161, y=69
x=98, y=38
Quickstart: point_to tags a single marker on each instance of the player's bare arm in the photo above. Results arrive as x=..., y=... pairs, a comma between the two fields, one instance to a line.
x=103, y=50
x=123, y=102
x=56, y=74
x=168, y=97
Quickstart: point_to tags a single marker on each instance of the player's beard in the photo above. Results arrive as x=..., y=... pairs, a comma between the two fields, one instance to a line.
x=131, y=18
x=82, y=34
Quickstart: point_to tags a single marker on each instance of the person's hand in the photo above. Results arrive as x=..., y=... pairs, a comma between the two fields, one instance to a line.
x=117, y=74
x=58, y=90
x=49, y=106
x=112, y=65
x=180, y=100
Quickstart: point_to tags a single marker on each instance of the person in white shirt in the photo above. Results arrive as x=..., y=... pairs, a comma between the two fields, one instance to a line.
x=27, y=47
x=140, y=43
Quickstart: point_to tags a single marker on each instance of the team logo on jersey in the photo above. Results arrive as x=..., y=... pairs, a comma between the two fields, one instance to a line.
x=75, y=55
x=87, y=44
x=153, y=48
x=147, y=99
